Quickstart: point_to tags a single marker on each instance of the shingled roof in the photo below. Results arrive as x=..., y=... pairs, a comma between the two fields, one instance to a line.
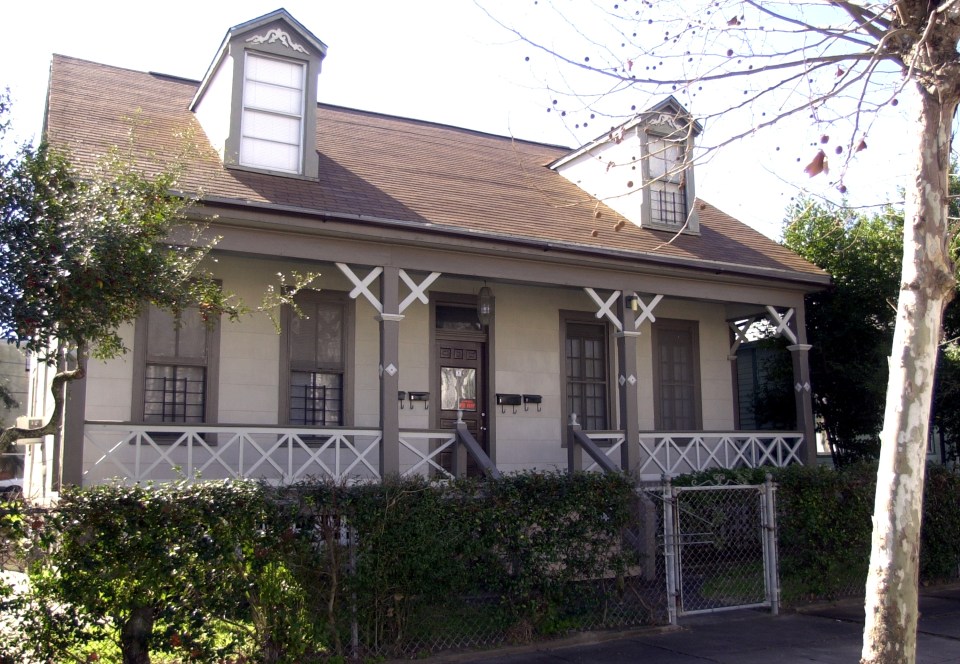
x=433, y=177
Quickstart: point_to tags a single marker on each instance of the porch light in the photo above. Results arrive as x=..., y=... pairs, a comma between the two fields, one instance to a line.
x=632, y=301
x=485, y=305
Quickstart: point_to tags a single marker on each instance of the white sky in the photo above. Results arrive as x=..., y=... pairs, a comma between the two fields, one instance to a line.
x=438, y=60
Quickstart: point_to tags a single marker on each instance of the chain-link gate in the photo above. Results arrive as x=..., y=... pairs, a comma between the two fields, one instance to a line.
x=720, y=548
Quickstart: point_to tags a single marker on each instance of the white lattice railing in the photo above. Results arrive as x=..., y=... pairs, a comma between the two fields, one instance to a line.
x=678, y=453
x=279, y=455
x=420, y=452
x=613, y=439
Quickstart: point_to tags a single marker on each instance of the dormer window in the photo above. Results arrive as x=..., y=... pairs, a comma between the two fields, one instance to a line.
x=257, y=101
x=667, y=181
x=642, y=169
x=272, y=122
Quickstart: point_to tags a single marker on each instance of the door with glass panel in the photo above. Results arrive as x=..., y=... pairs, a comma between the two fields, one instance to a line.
x=461, y=383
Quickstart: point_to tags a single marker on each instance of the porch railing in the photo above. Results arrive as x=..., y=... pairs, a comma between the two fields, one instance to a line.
x=283, y=455
x=151, y=452
x=675, y=453
x=279, y=455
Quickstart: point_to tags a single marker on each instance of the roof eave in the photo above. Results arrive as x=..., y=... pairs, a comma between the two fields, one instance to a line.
x=811, y=281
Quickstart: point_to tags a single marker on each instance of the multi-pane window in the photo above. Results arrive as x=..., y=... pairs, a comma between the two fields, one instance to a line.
x=586, y=374
x=177, y=358
x=315, y=351
x=677, y=375
x=273, y=106
x=668, y=196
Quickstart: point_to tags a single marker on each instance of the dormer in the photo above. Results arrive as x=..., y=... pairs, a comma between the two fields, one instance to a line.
x=257, y=101
x=643, y=169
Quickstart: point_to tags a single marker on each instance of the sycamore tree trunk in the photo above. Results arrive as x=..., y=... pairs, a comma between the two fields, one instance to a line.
x=890, y=631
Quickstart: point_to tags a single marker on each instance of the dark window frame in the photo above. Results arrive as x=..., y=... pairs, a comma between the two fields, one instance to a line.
x=658, y=332
x=345, y=368
x=142, y=359
x=568, y=318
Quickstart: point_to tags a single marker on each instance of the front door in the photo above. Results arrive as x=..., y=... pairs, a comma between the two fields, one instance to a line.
x=462, y=391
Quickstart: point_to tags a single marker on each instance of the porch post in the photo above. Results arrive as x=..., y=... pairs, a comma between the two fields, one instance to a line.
x=800, y=353
x=627, y=384
x=389, y=371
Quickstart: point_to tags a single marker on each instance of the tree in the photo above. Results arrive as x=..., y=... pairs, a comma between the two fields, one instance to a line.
x=82, y=253
x=836, y=61
x=850, y=325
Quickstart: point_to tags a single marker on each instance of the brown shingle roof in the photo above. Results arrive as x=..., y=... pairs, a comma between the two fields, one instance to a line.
x=386, y=167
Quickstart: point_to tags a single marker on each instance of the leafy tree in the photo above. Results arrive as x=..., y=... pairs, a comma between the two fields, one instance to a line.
x=850, y=325
x=751, y=64
x=82, y=253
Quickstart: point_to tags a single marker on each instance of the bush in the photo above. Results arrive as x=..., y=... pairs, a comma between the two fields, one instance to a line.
x=173, y=569
x=237, y=571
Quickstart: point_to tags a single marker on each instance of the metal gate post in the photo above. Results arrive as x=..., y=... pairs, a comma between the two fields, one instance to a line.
x=770, y=544
x=670, y=550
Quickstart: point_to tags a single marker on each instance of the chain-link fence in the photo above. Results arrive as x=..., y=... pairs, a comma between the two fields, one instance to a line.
x=720, y=547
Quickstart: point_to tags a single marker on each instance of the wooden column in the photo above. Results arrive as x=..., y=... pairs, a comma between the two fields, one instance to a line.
x=389, y=371
x=802, y=389
x=627, y=386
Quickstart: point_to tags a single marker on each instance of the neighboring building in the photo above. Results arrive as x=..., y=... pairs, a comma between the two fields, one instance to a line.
x=463, y=275
x=14, y=372
x=13, y=377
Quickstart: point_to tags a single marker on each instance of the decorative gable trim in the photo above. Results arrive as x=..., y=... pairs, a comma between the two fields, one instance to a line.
x=278, y=35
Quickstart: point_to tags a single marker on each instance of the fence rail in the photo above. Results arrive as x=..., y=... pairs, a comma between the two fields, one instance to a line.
x=666, y=453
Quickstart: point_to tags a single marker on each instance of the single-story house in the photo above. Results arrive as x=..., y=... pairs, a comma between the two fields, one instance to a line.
x=476, y=292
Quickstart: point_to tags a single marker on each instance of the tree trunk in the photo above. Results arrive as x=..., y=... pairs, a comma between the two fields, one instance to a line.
x=890, y=631
x=135, y=636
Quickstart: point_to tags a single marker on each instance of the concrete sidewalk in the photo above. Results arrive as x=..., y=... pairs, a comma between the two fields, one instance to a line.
x=824, y=633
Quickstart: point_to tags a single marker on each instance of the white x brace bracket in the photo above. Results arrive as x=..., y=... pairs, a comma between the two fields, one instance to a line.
x=416, y=292
x=362, y=286
x=781, y=323
x=604, y=309
x=646, y=311
x=740, y=334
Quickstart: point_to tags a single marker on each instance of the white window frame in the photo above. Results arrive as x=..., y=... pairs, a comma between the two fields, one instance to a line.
x=249, y=108
x=669, y=178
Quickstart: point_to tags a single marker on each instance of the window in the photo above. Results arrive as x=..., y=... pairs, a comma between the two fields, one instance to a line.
x=667, y=188
x=314, y=369
x=586, y=371
x=676, y=372
x=178, y=359
x=272, y=121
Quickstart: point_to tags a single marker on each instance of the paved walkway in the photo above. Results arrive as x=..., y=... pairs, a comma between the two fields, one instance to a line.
x=825, y=633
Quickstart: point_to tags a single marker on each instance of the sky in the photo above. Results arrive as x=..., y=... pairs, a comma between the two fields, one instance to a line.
x=443, y=61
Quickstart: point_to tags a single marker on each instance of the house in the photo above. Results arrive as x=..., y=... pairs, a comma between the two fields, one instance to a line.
x=476, y=292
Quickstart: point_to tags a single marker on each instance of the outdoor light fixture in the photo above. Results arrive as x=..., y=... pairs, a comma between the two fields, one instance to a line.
x=485, y=305
x=632, y=301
